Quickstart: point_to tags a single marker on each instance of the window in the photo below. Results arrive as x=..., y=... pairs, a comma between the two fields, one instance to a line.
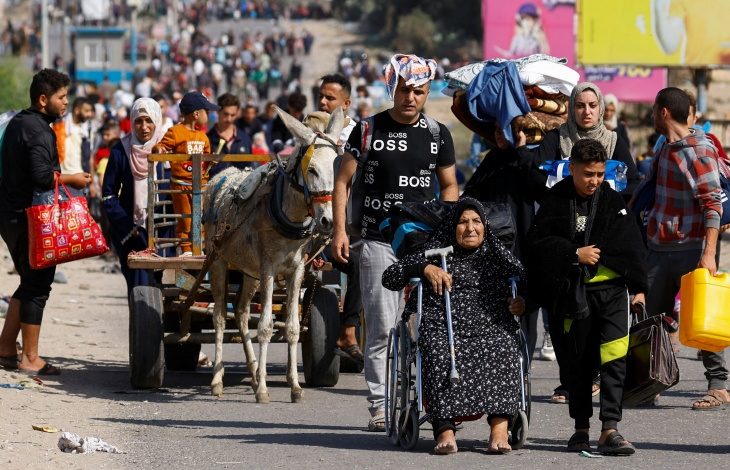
x=96, y=55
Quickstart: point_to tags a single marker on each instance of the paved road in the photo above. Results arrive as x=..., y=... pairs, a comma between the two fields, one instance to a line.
x=183, y=425
x=186, y=426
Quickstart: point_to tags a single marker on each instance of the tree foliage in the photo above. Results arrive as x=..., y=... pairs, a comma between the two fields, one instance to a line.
x=15, y=78
x=425, y=27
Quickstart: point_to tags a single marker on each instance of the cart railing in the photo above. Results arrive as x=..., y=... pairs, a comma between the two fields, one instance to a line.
x=167, y=218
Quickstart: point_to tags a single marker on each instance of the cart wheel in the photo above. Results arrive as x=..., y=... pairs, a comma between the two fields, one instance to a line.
x=146, y=358
x=392, y=393
x=518, y=432
x=347, y=365
x=321, y=364
x=185, y=356
x=410, y=429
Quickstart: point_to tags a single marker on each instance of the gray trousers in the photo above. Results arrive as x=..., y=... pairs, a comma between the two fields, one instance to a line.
x=380, y=306
x=666, y=269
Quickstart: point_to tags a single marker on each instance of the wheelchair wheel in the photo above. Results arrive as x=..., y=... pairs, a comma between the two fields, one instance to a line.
x=518, y=430
x=528, y=395
x=408, y=424
x=392, y=391
x=404, y=369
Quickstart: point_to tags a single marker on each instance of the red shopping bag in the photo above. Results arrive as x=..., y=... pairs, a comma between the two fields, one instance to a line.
x=62, y=231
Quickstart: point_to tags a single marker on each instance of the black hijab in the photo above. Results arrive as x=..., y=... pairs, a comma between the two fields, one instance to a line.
x=445, y=235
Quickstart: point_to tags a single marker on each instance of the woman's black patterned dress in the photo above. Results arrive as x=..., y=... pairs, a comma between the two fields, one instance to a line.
x=485, y=333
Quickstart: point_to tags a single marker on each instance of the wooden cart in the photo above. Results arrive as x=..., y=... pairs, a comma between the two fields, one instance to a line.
x=169, y=321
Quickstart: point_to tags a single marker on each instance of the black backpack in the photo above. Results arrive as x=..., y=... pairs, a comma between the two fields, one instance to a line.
x=409, y=225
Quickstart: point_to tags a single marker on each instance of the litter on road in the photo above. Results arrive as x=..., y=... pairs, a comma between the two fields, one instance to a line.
x=48, y=429
x=74, y=444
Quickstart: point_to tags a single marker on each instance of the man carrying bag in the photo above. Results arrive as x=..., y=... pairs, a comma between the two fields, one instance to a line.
x=29, y=163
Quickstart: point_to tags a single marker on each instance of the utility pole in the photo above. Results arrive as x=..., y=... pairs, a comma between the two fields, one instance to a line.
x=44, y=34
x=63, y=31
x=134, y=5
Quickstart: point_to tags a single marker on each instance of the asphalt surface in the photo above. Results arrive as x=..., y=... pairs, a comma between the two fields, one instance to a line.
x=183, y=426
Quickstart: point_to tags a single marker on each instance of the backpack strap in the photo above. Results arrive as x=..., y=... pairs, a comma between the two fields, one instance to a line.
x=366, y=126
x=435, y=129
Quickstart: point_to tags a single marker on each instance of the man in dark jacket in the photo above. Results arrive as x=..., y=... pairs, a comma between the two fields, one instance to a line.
x=29, y=165
x=233, y=138
x=586, y=257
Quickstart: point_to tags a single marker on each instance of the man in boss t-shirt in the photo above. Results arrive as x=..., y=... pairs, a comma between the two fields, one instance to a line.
x=403, y=164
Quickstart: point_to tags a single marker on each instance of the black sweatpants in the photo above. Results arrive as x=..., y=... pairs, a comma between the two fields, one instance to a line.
x=666, y=269
x=601, y=338
x=555, y=325
x=352, y=306
x=35, y=284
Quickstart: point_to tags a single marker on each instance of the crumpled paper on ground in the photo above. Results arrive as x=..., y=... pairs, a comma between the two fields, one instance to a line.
x=73, y=443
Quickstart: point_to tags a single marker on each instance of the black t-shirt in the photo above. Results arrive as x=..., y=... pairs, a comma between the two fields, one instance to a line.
x=400, y=166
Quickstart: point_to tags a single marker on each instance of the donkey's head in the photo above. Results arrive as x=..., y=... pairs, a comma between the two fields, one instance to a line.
x=314, y=165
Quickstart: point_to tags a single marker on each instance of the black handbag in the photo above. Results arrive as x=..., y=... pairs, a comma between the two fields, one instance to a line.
x=651, y=366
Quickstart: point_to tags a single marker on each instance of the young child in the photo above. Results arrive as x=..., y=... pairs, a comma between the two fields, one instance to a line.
x=184, y=137
x=585, y=257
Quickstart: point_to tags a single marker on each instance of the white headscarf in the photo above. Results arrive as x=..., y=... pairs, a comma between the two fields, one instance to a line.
x=138, y=151
x=612, y=123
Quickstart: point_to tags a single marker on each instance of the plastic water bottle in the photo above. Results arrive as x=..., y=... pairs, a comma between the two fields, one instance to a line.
x=620, y=178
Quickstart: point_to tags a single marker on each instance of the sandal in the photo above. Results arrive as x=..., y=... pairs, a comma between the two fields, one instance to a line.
x=47, y=369
x=615, y=444
x=377, y=423
x=9, y=362
x=579, y=442
x=560, y=395
x=714, y=400
x=445, y=448
x=351, y=352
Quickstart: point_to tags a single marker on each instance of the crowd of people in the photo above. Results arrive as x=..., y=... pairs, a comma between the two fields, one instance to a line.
x=582, y=252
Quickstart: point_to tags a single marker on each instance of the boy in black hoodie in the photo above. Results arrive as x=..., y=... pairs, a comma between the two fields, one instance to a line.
x=585, y=257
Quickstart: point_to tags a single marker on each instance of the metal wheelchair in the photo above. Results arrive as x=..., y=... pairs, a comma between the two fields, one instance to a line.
x=405, y=412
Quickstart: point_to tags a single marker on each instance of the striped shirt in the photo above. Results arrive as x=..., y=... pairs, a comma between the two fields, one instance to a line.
x=687, y=194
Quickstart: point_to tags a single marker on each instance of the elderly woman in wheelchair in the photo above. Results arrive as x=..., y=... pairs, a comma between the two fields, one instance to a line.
x=470, y=354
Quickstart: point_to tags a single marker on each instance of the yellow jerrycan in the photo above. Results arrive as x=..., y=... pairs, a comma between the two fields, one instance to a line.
x=704, y=313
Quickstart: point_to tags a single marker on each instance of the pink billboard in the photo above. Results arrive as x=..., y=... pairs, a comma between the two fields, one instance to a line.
x=516, y=28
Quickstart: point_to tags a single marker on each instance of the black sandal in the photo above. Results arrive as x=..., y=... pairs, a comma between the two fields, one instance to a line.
x=615, y=444
x=9, y=362
x=579, y=442
x=47, y=369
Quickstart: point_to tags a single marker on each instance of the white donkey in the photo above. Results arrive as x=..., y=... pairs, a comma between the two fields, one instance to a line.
x=261, y=225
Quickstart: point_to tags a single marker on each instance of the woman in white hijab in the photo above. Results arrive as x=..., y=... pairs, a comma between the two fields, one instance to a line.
x=124, y=191
x=611, y=118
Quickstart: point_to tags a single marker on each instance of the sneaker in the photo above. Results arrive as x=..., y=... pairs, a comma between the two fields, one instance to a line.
x=547, y=353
